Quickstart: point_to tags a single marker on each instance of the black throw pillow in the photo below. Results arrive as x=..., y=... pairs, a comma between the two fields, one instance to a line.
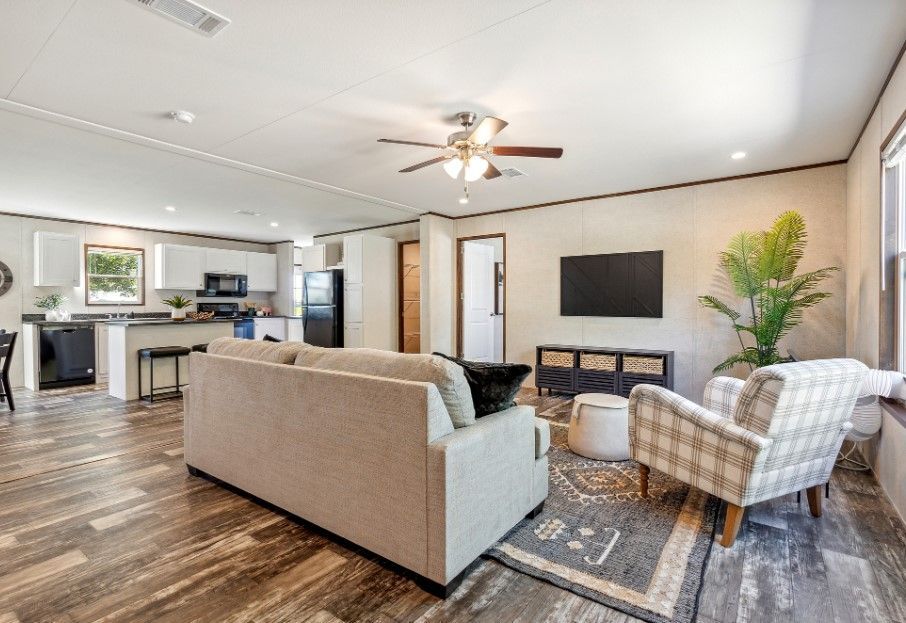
x=493, y=385
x=270, y=338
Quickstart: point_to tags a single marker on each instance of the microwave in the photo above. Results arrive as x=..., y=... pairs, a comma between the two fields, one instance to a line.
x=219, y=284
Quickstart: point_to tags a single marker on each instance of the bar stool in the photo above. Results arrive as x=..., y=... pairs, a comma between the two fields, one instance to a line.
x=160, y=352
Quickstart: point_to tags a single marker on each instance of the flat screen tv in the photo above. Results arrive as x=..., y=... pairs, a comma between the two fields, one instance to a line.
x=613, y=284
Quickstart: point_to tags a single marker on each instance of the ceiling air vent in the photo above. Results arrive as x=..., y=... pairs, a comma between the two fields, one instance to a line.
x=189, y=14
x=512, y=172
x=247, y=212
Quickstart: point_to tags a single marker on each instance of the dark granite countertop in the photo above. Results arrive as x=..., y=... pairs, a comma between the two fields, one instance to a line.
x=144, y=320
x=129, y=322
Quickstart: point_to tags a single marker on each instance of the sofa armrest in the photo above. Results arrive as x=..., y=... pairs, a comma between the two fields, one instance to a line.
x=721, y=394
x=479, y=486
x=690, y=443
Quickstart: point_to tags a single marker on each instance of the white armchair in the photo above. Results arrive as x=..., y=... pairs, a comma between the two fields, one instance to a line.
x=773, y=434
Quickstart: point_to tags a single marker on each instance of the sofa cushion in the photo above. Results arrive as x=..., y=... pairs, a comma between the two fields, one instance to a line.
x=271, y=352
x=493, y=385
x=445, y=375
x=542, y=437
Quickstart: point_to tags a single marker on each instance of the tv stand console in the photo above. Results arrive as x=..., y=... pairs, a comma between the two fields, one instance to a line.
x=580, y=369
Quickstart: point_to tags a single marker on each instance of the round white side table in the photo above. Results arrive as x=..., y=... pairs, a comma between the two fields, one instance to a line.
x=599, y=427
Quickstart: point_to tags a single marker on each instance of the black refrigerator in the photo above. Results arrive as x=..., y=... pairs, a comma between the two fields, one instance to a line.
x=322, y=308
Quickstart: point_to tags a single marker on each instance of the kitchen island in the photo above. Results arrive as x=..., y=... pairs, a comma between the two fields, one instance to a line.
x=127, y=337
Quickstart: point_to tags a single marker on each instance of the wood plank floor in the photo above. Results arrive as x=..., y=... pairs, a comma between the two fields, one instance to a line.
x=100, y=522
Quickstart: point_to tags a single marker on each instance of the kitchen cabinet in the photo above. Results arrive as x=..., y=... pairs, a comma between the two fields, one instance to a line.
x=56, y=259
x=225, y=261
x=352, y=302
x=370, y=305
x=352, y=335
x=319, y=257
x=101, y=357
x=178, y=267
x=353, y=257
x=262, y=272
x=295, y=330
x=275, y=327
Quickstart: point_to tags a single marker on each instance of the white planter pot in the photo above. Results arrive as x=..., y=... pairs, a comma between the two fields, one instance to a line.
x=178, y=314
x=52, y=315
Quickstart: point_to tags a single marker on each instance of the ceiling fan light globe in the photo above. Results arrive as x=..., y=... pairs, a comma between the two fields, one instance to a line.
x=453, y=166
x=475, y=168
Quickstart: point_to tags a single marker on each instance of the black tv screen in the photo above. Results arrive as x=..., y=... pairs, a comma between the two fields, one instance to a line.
x=613, y=284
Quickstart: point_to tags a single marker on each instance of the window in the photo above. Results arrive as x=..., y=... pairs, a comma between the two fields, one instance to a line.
x=114, y=275
x=893, y=249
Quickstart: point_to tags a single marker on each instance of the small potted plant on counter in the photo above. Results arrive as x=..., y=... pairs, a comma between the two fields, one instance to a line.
x=52, y=304
x=178, y=306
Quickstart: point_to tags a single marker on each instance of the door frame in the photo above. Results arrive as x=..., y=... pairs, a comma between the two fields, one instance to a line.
x=399, y=280
x=459, y=288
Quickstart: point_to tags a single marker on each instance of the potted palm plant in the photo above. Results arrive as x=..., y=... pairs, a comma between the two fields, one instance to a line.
x=52, y=304
x=177, y=305
x=762, y=267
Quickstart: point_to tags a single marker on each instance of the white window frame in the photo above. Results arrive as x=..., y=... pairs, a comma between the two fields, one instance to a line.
x=139, y=278
x=894, y=157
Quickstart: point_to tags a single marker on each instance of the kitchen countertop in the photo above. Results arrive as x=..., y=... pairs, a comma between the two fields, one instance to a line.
x=129, y=322
x=135, y=321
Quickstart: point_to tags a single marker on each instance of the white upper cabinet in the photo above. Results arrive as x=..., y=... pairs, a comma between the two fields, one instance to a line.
x=318, y=257
x=313, y=258
x=179, y=267
x=262, y=272
x=56, y=259
x=353, y=256
x=225, y=261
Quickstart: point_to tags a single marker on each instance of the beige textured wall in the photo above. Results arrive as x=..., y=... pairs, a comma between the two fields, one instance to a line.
x=692, y=225
x=437, y=283
x=17, y=251
x=863, y=231
x=887, y=452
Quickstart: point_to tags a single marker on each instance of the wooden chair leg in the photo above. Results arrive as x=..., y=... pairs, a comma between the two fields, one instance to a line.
x=814, y=500
x=643, y=479
x=731, y=524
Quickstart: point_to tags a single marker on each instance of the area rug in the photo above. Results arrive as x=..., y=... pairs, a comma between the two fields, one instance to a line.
x=598, y=538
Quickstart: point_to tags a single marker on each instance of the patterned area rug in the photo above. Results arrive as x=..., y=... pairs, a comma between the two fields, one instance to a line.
x=598, y=538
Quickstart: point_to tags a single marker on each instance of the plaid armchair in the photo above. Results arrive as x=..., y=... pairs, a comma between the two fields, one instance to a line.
x=773, y=434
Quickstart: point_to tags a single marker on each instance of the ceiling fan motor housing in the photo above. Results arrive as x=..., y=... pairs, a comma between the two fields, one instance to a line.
x=458, y=136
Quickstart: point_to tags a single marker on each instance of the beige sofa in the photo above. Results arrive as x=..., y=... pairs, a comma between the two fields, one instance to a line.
x=372, y=459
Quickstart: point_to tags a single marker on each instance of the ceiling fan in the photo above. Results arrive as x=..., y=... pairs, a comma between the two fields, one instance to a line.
x=467, y=151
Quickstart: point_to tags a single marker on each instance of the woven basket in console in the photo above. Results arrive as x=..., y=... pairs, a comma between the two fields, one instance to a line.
x=598, y=361
x=643, y=365
x=556, y=359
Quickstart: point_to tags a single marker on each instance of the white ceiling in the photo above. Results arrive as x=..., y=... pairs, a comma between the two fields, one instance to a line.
x=639, y=94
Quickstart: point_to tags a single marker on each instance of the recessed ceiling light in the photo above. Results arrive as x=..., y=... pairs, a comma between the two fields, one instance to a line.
x=463, y=200
x=275, y=224
x=738, y=155
x=183, y=116
x=170, y=208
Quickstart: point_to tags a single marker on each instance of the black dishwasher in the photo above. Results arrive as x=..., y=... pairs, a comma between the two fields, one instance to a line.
x=67, y=355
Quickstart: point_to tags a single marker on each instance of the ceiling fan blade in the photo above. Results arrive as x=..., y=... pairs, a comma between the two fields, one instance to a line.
x=532, y=152
x=426, y=163
x=390, y=140
x=492, y=172
x=487, y=129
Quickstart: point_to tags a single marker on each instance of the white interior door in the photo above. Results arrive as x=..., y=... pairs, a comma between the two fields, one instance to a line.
x=478, y=301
